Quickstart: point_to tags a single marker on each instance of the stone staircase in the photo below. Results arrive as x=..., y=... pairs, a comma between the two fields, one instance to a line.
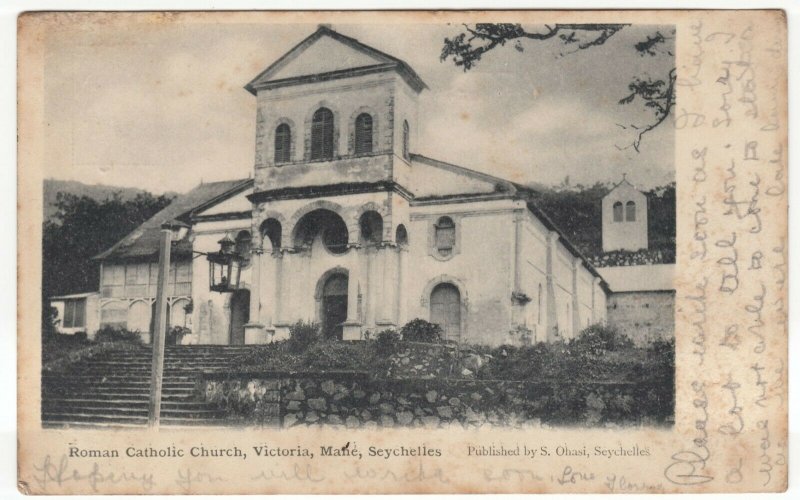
x=112, y=389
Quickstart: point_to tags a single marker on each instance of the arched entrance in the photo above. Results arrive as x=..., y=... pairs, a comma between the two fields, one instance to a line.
x=334, y=305
x=240, y=315
x=446, y=310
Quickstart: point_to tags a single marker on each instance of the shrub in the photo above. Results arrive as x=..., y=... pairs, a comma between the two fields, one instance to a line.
x=176, y=334
x=386, y=342
x=117, y=334
x=419, y=330
x=521, y=335
x=302, y=335
x=597, y=338
x=81, y=337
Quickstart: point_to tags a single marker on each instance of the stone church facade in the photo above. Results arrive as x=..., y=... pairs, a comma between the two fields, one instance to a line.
x=344, y=224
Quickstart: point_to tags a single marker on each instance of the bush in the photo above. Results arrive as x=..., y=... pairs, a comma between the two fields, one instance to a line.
x=597, y=338
x=387, y=342
x=302, y=335
x=176, y=334
x=117, y=334
x=419, y=330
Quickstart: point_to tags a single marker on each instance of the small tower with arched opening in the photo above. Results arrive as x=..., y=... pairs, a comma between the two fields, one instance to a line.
x=624, y=218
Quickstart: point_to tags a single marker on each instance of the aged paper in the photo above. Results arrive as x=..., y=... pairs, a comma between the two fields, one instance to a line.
x=722, y=102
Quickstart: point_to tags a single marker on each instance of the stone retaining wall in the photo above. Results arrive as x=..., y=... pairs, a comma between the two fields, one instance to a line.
x=352, y=400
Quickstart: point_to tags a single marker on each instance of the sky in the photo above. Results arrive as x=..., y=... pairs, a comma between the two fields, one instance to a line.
x=161, y=106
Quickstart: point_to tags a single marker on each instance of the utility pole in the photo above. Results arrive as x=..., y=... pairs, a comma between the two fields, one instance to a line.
x=160, y=326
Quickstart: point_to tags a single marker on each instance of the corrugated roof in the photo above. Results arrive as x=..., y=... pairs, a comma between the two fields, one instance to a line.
x=143, y=241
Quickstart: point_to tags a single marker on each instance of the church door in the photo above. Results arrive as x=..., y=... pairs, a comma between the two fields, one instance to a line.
x=334, y=306
x=446, y=310
x=240, y=315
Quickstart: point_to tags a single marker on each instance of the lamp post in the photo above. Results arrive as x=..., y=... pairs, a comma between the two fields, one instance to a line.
x=168, y=230
x=224, y=267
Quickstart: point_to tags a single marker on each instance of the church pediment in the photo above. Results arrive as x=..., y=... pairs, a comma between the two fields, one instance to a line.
x=329, y=54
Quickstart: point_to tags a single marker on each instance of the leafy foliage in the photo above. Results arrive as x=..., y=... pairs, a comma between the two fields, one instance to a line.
x=176, y=334
x=468, y=47
x=387, y=342
x=114, y=334
x=419, y=330
x=577, y=211
x=597, y=338
x=83, y=227
x=302, y=335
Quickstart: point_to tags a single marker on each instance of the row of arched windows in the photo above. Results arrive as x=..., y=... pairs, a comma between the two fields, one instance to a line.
x=630, y=211
x=322, y=137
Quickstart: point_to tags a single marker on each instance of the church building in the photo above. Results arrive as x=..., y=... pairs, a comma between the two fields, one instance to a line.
x=344, y=223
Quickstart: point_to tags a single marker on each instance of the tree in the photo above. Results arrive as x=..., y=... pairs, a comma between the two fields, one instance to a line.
x=658, y=95
x=83, y=227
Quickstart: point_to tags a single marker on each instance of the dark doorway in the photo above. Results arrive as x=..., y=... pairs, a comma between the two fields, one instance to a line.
x=240, y=315
x=334, y=306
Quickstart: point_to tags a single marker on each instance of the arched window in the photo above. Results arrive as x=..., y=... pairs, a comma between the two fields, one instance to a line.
x=618, y=211
x=445, y=236
x=446, y=310
x=405, y=139
x=322, y=134
x=630, y=211
x=363, y=139
x=244, y=242
x=401, y=235
x=371, y=224
x=271, y=231
x=283, y=143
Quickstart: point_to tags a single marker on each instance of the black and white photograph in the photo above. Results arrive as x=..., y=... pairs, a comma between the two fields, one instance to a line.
x=349, y=225
x=279, y=252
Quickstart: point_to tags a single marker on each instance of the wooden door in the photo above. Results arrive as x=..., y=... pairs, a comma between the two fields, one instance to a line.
x=446, y=310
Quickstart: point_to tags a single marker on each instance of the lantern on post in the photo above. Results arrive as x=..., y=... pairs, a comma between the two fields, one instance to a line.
x=224, y=267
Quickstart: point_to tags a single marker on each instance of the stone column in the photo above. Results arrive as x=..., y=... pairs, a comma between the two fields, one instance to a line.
x=281, y=319
x=595, y=314
x=552, y=312
x=352, y=327
x=387, y=288
x=517, y=305
x=401, y=290
x=576, y=302
x=254, y=329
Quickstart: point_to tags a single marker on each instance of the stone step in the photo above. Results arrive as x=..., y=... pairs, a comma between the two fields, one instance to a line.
x=123, y=403
x=132, y=411
x=176, y=396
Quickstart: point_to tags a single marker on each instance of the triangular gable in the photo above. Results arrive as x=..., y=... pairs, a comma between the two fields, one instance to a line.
x=232, y=204
x=437, y=178
x=327, y=52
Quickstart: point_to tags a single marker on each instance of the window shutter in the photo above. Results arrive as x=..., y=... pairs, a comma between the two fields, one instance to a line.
x=363, y=139
x=322, y=135
x=283, y=143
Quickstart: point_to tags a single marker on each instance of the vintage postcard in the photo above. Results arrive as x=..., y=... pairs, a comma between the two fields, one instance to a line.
x=402, y=252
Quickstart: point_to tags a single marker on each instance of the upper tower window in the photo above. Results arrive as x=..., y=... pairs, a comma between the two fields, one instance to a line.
x=630, y=211
x=283, y=143
x=322, y=135
x=405, y=139
x=363, y=139
x=618, y=211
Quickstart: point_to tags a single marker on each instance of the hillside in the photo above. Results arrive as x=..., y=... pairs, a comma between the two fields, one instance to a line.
x=577, y=211
x=97, y=192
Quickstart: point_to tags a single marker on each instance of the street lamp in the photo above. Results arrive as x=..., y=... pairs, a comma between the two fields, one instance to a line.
x=224, y=267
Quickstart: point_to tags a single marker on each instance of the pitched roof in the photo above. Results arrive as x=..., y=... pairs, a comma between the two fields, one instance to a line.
x=143, y=241
x=514, y=190
x=382, y=62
